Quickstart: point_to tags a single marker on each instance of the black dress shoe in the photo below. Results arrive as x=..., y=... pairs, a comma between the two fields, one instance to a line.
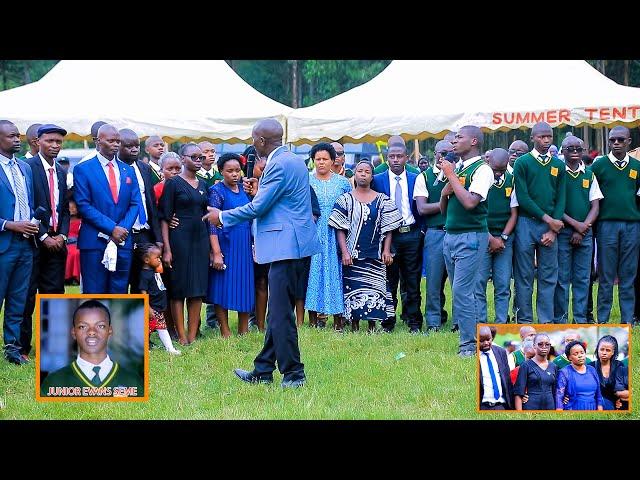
x=249, y=377
x=294, y=383
x=431, y=329
x=455, y=328
x=13, y=356
x=414, y=331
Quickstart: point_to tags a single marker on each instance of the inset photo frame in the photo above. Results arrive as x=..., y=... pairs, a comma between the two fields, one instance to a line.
x=92, y=347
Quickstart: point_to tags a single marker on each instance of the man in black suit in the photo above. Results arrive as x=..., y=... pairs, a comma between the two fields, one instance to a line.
x=146, y=228
x=50, y=258
x=407, y=242
x=496, y=391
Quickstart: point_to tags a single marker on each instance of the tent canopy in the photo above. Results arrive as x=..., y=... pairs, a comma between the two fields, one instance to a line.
x=426, y=98
x=178, y=100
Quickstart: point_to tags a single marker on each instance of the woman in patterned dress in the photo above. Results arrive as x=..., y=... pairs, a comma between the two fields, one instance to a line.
x=324, y=290
x=364, y=220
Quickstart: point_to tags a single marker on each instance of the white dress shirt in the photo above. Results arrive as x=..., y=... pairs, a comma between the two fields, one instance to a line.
x=137, y=225
x=613, y=159
x=407, y=215
x=56, y=190
x=488, y=395
x=116, y=169
x=87, y=368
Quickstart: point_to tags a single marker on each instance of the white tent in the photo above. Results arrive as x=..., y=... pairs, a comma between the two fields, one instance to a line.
x=174, y=99
x=421, y=99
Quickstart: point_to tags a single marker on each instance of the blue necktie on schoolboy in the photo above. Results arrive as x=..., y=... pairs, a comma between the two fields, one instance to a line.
x=494, y=381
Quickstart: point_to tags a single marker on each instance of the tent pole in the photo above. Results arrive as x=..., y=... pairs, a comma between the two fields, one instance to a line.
x=585, y=137
x=416, y=150
x=605, y=140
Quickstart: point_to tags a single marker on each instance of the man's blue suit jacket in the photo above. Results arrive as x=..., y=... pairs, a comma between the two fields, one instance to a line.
x=8, y=201
x=96, y=206
x=285, y=227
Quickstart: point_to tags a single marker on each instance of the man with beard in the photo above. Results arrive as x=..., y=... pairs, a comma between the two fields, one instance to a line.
x=16, y=237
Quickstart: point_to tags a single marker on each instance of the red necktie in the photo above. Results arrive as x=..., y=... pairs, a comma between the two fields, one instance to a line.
x=112, y=183
x=52, y=201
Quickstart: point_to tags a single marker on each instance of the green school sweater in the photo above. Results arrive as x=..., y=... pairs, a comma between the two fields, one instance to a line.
x=72, y=376
x=212, y=180
x=541, y=189
x=619, y=187
x=499, y=204
x=459, y=219
x=436, y=219
x=578, y=187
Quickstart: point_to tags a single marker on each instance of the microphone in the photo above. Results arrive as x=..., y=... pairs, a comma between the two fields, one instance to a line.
x=450, y=157
x=251, y=162
x=40, y=215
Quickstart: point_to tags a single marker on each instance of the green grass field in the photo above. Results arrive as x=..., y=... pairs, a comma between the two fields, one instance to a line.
x=349, y=376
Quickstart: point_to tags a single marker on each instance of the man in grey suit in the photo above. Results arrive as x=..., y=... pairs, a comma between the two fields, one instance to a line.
x=286, y=238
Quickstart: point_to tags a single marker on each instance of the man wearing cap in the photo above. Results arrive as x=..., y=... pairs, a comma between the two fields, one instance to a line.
x=50, y=193
x=16, y=237
x=108, y=199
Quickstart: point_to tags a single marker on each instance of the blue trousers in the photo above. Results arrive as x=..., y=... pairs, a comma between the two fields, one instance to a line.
x=618, y=245
x=15, y=271
x=435, y=269
x=574, y=269
x=462, y=252
x=529, y=231
x=499, y=266
x=97, y=279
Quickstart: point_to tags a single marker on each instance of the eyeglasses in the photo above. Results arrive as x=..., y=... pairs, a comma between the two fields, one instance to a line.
x=517, y=152
x=195, y=157
x=574, y=149
x=617, y=139
x=339, y=154
x=443, y=153
x=544, y=344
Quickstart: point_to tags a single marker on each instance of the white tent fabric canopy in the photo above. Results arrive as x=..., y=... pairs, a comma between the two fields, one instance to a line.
x=178, y=99
x=425, y=98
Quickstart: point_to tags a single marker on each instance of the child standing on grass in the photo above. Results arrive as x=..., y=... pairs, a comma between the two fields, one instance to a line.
x=151, y=284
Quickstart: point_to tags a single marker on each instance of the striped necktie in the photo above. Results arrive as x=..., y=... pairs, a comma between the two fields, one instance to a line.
x=21, y=195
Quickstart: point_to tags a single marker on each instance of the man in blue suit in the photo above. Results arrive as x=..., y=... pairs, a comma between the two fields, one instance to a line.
x=397, y=183
x=16, y=237
x=286, y=238
x=108, y=200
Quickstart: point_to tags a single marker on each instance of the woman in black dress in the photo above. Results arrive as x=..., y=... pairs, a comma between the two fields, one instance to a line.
x=537, y=378
x=186, y=247
x=606, y=366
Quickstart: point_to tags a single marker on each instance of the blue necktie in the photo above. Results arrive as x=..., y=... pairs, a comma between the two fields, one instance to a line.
x=492, y=373
x=96, y=378
x=142, y=217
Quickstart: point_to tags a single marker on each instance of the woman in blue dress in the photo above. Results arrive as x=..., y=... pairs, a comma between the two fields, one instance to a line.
x=231, y=280
x=364, y=220
x=537, y=378
x=606, y=366
x=578, y=384
x=324, y=290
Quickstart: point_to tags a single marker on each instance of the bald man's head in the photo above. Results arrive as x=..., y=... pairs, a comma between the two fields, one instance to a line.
x=498, y=161
x=267, y=136
x=527, y=331
x=468, y=142
x=542, y=137
x=517, y=149
x=108, y=142
x=484, y=338
x=449, y=137
x=129, y=146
